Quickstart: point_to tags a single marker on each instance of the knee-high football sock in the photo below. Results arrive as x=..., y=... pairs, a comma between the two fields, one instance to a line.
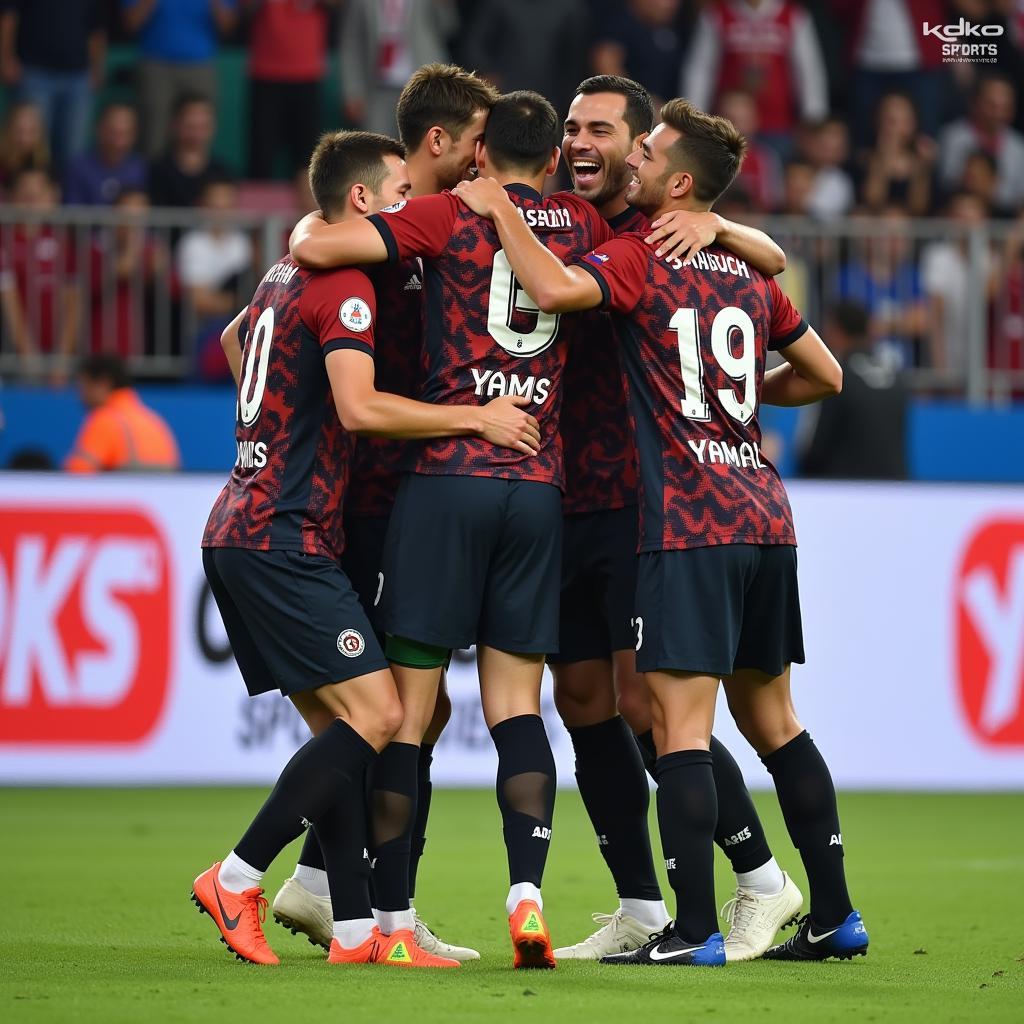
x=327, y=765
x=526, y=795
x=648, y=752
x=739, y=832
x=808, y=801
x=392, y=816
x=613, y=785
x=424, y=791
x=687, y=811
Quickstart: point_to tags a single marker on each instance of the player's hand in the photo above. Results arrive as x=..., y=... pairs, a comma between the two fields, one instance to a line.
x=506, y=424
x=682, y=233
x=481, y=195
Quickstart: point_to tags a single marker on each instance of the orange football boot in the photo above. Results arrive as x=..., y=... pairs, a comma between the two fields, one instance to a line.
x=238, y=915
x=530, y=937
x=399, y=949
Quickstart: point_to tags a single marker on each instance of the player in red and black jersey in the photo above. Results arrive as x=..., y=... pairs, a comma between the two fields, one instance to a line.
x=270, y=554
x=716, y=593
x=595, y=669
x=473, y=553
x=441, y=115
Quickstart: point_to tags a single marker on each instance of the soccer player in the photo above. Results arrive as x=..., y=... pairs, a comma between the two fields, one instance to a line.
x=441, y=115
x=716, y=591
x=595, y=668
x=270, y=554
x=473, y=551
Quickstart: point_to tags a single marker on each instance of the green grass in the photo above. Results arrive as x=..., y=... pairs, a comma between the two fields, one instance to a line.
x=97, y=926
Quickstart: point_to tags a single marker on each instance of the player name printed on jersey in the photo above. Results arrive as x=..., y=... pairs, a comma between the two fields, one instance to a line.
x=694, y=339
x=484, y=337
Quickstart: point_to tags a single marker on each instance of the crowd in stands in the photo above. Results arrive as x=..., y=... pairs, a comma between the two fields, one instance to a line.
x=849, y=106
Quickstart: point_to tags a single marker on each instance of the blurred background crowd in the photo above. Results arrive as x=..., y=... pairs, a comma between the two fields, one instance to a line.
x=152, y=161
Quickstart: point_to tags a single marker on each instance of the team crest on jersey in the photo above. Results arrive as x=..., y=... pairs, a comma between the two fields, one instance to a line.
x=395, y=207
x=351, y=643
x=355, y=314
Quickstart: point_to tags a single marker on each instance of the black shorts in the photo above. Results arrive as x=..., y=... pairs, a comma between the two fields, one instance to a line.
x=473, y=559
x=718, y=609
x=362, y=561
x=293, y=620
x=598, y=584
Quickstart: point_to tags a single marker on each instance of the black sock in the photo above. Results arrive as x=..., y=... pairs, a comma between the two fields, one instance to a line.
x=808, y=801
x=687, y=811
x=312, y=855
x=392, y=816
x=526, y=794
x=648, y=752
x=424, y=790
x=341, y=834
x=613, y=785
x=739, y=832
x=326, y=768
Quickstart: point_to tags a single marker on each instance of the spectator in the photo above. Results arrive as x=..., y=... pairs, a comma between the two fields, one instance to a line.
x=899, y=168
x=860, y=434
x=889, y=52
x=287, y=60
x=768, y=48
x=382, y=43
x=640, y=40
x=211, y=262
x=987, y=130
x=950, y=282
x=97, y=178
x=177, y=45
x=761, y=170
x=54, y=52
x=886, y=279
x=178, y=177
x=38, y=294
x=797, y=188
x=120, y=433
x=1007, y=342
x=23, y=141
x=124, y=267
x=832, y=194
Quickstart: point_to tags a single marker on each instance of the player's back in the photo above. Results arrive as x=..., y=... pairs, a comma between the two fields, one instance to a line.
x=694, y=349
x=484, y=336
x=286, y=488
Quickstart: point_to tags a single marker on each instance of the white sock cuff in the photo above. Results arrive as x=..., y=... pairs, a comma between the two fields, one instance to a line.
x=313, y=879
x=651, y=914
x=767, y=880
x=391, y=921
x=236, y=875
x=523, y=891
x=355, y=932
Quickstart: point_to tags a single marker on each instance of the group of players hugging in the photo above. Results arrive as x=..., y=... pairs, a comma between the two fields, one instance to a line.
x=578, y=479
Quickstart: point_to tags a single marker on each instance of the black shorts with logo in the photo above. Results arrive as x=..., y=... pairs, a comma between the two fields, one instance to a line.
x=473, y=559
x=362, y=561
x=716, y=610
x=293, y=620
x=599, y=565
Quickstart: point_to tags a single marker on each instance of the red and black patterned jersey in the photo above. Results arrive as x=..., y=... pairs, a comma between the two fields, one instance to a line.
x=483, y=335
x=398, y=368
x=600, y=464
x=288, y=484
x=693, y=343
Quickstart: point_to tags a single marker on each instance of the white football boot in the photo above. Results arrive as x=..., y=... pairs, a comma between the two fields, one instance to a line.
x=428, y=941
x=299, y=910
x=754, y=920
x=618, y=933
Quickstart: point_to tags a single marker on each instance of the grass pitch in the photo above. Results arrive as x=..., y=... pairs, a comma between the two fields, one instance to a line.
x=97, y=926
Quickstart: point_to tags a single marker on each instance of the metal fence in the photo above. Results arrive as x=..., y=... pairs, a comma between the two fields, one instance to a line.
x=946, y=299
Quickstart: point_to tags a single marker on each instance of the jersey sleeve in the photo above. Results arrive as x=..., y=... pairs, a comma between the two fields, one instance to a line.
x=417, y=227
x=620, y=267
x=340, y=308
x=787, y=325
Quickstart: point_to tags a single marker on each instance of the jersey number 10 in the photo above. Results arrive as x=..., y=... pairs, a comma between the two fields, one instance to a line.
x=741, y=368
x=257, y=358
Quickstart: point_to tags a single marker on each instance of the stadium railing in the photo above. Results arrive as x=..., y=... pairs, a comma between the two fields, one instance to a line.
x=946, y=300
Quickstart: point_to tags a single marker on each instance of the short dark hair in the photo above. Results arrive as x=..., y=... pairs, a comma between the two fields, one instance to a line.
x=188, y=99
x=444, y=95
x=639, y=113
x=521, y=132
x=709, y=148
x=105, y=367
x=851, y=317
x=344, y=159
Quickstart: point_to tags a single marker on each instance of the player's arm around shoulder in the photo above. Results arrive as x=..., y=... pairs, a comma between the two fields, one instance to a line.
x=555, y=287
x=683, y=233
x=317, y=245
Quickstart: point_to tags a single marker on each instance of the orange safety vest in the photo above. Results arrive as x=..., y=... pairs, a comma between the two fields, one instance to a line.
x=123, y=435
